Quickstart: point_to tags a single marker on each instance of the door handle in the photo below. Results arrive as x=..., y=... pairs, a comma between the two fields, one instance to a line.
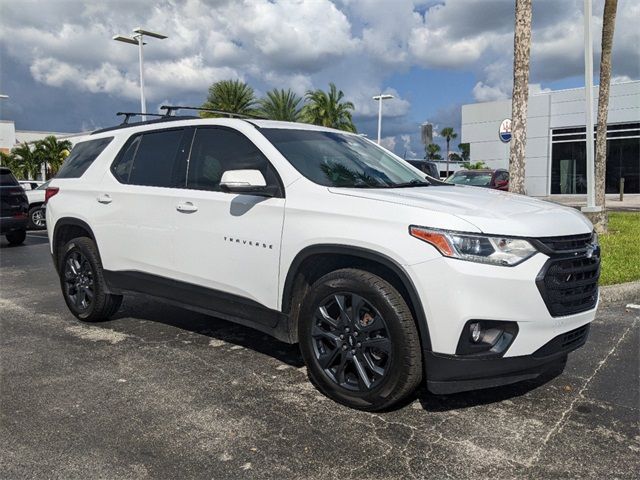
x=186, y=207
x=106, y=199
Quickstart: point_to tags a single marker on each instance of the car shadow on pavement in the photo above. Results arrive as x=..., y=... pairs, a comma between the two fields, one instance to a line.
x=146, y=308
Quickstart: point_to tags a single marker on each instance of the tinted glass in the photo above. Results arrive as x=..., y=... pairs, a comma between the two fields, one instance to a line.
x=81, y=157
x=153, y=159
x=7, y=179
x=471, y=178
x=216, y=150
x=341, y=160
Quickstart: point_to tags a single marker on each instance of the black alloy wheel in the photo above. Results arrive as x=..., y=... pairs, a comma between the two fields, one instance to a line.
x=78, y=280
x=351, y=341
x=359, y=340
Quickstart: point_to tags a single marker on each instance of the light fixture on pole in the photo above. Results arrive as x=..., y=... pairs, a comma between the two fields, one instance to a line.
x=380, y=98
x=588, y=91
x=138, y=39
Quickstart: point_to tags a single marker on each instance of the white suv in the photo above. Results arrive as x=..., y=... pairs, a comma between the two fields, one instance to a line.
x=317, y=236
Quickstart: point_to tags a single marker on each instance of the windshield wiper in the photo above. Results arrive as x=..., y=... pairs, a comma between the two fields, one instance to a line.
x=412, y=183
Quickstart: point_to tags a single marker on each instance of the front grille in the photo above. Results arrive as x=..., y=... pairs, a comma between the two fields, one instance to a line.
x=565, y=342
x=569, y=285
x=567, y=243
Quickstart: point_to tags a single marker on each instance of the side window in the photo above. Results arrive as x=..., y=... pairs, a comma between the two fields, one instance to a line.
x=216, y=150
x=153, y=159
x=81, y=157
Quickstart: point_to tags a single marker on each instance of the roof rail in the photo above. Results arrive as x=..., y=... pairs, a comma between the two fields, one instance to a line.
x=128, y=115
x=172, y=108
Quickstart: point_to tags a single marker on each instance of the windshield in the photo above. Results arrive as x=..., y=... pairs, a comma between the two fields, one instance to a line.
x=341, y=160
x=471, y=178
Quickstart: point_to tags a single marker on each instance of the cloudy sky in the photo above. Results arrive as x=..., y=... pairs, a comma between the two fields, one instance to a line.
x=63, y=72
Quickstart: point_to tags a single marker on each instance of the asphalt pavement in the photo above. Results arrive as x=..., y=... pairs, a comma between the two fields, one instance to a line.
x=162, y=392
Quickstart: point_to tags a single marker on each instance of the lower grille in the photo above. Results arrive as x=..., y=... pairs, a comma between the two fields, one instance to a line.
x=565, y=342
x=570, y=285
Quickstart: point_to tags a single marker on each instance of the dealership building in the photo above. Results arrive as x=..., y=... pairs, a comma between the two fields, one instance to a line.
x=556, y=139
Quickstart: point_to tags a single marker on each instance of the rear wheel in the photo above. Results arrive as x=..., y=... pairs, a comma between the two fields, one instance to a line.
x=37, y=220
x=82, y=282
x=359, y=340
x=16, y=237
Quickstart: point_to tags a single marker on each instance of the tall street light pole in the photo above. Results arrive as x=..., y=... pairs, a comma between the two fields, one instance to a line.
x=380, y=98
x=138, y=39
x=588, y=97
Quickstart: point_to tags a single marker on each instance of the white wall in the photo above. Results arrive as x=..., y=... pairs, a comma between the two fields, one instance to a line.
x=562, y=108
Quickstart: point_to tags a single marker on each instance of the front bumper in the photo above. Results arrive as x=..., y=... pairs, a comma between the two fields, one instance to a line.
x=448, y=374
x=455, y=292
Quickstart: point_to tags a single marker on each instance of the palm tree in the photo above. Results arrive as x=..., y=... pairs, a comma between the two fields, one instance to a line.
x=233, y=96
x=328, y=109
x=474, y=166
x=608, y=25
x=521, y=50
x=281, y=105
x=433, y=152
x=465, y=151
x=449, y=134
x=53, y=152
x=28, y=161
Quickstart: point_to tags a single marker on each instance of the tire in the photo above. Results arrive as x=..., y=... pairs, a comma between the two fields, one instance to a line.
x=384, y=320
x=82, y=282
x=37, y=219
x=17, y=237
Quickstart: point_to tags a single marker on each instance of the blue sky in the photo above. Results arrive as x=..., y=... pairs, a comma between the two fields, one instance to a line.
x=63, y=72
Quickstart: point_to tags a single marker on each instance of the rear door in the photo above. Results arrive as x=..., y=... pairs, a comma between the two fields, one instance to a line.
x=13, y=200
x=136, y=206
x=229, y=242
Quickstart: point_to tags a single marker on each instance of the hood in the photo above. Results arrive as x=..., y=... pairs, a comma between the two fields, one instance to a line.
x=491, y=211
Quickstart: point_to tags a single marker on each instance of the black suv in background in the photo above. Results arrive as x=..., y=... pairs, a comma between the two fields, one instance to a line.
x=428, y=167
x=14, y=208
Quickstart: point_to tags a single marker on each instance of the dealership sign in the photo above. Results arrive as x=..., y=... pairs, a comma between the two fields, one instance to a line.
x=505, y=130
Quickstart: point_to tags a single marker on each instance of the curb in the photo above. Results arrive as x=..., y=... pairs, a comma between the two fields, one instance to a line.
x=623, y=292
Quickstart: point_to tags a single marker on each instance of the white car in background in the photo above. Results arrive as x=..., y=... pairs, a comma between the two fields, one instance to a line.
x=37, y=220
x=29, y=184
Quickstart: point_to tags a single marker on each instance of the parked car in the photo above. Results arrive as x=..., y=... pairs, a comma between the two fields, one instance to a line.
x=320, y=237
x=13, y=208
x=428, y=167
x=29, y=184
x=36, y=197
x=498, y=179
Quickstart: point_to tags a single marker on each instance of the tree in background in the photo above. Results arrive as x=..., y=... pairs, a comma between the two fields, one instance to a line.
x=465, y=152
x=433, y=152
x=53, y=152
x=281, y=105
x=521, y=50
x=27, y=161
x=233, y=96
x=448, y=133
x=600, y=220
x=328, y=109
x=474, y=166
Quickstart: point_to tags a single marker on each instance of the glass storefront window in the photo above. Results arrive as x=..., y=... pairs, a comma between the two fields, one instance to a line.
x=568, y=159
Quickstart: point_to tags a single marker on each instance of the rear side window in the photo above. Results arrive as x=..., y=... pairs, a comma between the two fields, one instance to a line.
x=216, y=150
x=81, y=157
x=153, y=159
x=7, y=179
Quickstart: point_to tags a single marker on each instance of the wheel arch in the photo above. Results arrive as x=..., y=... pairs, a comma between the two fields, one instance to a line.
x=316, y=260
x=65, y=229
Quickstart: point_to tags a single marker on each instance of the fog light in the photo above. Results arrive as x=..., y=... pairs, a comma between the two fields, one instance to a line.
x=475, y=332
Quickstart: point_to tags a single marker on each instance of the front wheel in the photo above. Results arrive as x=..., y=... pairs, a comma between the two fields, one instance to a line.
x=359, y=340
x=83, y=284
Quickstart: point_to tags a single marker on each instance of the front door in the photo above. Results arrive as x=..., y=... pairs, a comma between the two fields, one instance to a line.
x=229, y=242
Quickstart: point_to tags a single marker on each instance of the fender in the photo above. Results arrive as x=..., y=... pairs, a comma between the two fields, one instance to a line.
x=365, y=254
x=64, y=222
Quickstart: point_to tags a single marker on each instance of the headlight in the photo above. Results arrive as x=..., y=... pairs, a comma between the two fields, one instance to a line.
x=493, y=250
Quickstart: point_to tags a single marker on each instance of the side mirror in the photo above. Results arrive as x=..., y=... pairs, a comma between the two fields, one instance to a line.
x=243, y=181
